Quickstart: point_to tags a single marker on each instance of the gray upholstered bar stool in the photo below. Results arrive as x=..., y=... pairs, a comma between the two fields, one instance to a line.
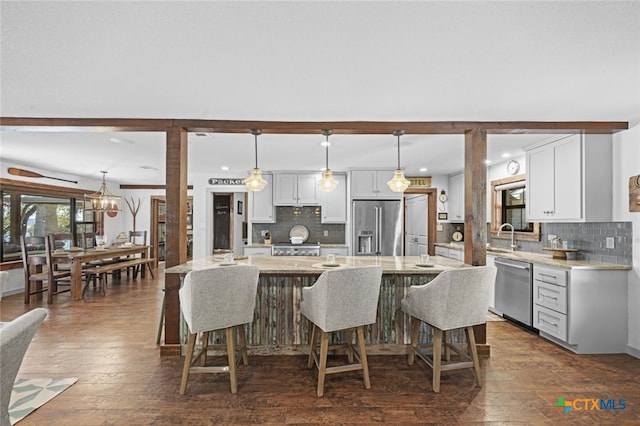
x=215, y=299
x=456, y=299
x=341, y=299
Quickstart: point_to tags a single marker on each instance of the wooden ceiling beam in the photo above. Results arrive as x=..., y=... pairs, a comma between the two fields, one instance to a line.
x=306, y=127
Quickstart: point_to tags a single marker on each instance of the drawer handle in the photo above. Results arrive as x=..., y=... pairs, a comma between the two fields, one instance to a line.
x=553, y=324
x=555, y=277
x=549, y=296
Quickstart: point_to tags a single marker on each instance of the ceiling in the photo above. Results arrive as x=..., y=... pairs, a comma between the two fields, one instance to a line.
x=306, y=61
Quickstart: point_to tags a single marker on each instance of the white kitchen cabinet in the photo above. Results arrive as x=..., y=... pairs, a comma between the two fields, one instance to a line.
x=334, y=203
x=262, y=209
x=372, y=184
x=338, y=251
x=257, y=251
x=456, y=254
x=492, y=299
x=442, y=251
x=456, y=198
x=570, y=179
x=583, y=310
x=296, y=189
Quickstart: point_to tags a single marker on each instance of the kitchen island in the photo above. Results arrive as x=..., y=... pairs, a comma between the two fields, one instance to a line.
x=278, y=326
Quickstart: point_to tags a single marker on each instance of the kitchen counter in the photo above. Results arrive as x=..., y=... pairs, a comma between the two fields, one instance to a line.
x=544, y=259
x=262, y=245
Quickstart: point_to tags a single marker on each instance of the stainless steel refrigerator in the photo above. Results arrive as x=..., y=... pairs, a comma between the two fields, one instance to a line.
x=377, y=227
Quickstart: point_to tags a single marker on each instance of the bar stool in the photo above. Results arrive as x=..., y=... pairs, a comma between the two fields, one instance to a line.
x=214, y=299
x=455, y=299
x=341, y=299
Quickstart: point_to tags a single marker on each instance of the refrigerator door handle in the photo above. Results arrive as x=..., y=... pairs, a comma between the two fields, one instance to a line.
x=378, y=230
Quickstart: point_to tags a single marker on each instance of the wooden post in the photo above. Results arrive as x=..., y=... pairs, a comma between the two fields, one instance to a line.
x=475, y=211
x=176, y=240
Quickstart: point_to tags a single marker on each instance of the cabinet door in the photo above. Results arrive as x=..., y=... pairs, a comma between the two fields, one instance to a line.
x=262, y=210
x=363, y=183
x=285, y=189
x=456, y=198
x=334, y=203
x=540, y=183
x=382, y=189
x=568, y=179
x=307, y=187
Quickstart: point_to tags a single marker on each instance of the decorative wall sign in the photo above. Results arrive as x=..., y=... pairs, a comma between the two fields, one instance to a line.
x=634, y=193
x=226, y=181
x=419, y=182
x=443, y=216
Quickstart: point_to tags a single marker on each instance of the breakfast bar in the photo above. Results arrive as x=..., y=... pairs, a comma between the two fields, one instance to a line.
x=278, y=326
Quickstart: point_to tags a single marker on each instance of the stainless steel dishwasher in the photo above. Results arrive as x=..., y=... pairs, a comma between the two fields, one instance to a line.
x=514, y=290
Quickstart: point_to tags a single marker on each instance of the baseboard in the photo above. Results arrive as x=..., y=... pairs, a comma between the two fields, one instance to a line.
x=484, y=350
x=634, y=352
x=170, y=350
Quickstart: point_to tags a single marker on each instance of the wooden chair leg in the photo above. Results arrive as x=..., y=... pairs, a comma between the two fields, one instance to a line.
x=415, y=333
x=243, y=344
x=437, y=358
x=231, y=355
x=205, y=344
x=363, y=358
x=471, y=341
x=187, y=362
x=348, y=339
x=312, y=344
x=447, y=351
x=322, y=368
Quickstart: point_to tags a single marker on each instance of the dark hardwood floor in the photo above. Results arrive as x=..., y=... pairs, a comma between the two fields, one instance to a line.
x=109, y=344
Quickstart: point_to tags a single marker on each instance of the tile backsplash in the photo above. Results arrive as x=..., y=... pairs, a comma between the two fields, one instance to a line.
x=309, y=216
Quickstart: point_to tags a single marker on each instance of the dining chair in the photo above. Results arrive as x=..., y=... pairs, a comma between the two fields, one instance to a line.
x=215, y=299
x=4, y=276
x=34, y=265
x=64, y=240
x=15, y=337
x=138, y=238
x=455, y=299
x=58, y=271
x=341, y=299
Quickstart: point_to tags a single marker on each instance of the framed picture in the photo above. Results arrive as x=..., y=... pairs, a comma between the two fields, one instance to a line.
x=443, y=216
x=240, y=207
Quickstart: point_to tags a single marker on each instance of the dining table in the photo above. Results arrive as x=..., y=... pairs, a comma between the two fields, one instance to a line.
x=79, y=257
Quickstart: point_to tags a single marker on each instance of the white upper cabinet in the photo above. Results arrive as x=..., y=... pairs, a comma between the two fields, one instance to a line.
x=570, y=179
x=296, y=189
x=456, y=198
x=262, y=209
x=334, y=203
x=372, y=184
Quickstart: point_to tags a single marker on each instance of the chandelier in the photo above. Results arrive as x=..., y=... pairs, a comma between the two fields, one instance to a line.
x=103, y=200
x=398, y=183
x=255, y=181
x=328, y=183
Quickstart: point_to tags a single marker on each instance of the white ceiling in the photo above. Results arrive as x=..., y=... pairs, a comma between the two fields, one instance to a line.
x=307, y=61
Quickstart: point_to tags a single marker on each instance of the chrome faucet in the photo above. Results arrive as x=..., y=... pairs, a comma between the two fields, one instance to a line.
x=513, y=245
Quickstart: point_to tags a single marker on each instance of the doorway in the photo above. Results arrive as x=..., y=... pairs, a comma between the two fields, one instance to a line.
x=426, y=216
x=416, y=236
x=222, y=222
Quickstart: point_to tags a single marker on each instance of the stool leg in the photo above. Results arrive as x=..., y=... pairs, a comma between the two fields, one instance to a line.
x=437, y=358
x=231, y=355
x=363, y=358
x=415, y=333
x=471, y=341
x=187, y=362
x=312, y=344
x=322, y=368
x=161, y=322
x=348, y=338
x=243, y=345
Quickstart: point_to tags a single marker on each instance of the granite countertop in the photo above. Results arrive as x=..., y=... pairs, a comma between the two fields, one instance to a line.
x=544, y=259
x=262, y=245
x=312, y=265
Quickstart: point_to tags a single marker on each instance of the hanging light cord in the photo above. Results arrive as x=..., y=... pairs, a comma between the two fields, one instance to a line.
x=255, y=135
x=398, y=152
x=327, y=150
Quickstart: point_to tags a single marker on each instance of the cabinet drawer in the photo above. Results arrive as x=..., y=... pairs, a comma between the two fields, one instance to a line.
x=550, y=296
x=455, y=254
x=550, y=322
x=442, y=251
x=550, y=275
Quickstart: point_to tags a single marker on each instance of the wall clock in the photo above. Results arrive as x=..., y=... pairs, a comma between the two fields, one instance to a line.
x=513, y=167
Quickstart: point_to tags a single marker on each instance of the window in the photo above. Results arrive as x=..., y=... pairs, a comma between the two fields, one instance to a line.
x=509, y=205
x=36, y=211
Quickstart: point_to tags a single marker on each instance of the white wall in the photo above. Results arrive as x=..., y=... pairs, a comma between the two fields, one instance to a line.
x=626, y=163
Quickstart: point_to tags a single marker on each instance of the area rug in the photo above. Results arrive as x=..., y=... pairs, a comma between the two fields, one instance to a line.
x=30, y=394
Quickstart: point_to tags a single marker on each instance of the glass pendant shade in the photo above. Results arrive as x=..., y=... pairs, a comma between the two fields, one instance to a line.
x=328, y=183
x=255, y=181
x=103, y=200
x=398, y=183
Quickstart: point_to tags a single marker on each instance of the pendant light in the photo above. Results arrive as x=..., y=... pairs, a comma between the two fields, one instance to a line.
x=328, y=183
x=103, y=200
x=398, y=183
x=255, y=181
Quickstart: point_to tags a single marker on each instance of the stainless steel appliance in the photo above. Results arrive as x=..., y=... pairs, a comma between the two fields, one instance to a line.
x=377, y=227
x=288, y=249
x=514, y=290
